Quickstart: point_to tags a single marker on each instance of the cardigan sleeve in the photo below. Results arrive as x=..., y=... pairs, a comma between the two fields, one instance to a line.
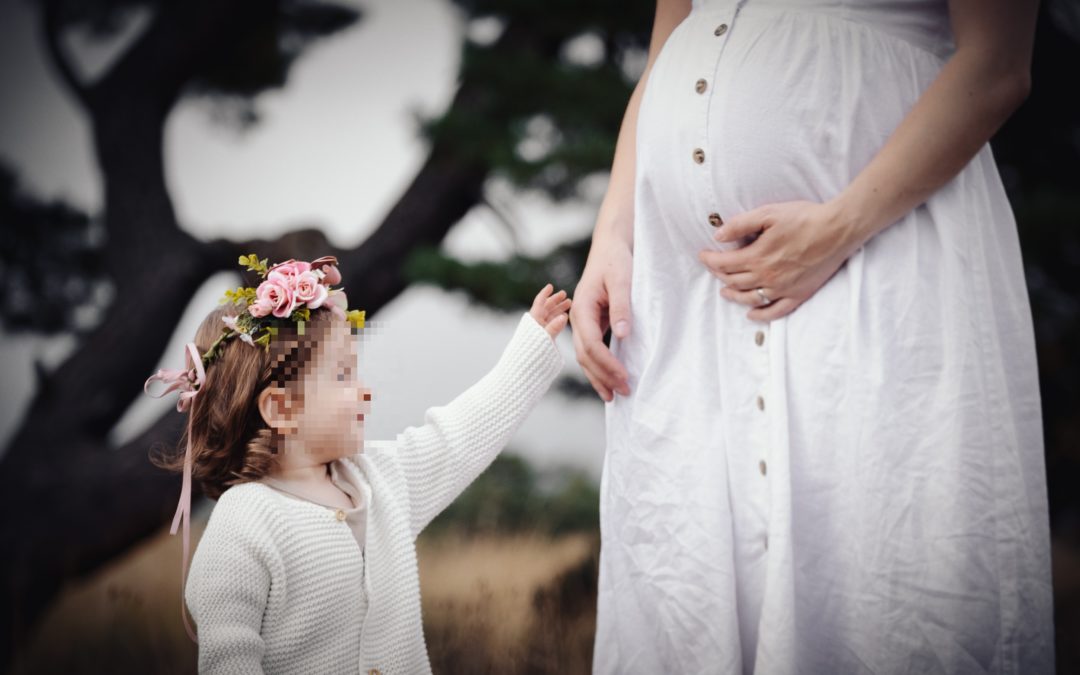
x=226, y=592
x=460, y=439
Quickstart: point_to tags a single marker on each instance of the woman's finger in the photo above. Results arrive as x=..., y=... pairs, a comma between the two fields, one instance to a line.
x=586, y=367
x=742, y=281
x=726, y=262
x=601, y=391
x=606, y=367
x=592, y=354
x=618, y=289
x=741, y=225
x=775, y=310
x=750, y=298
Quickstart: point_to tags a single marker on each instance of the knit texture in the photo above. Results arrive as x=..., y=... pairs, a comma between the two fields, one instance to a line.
x=276, y=585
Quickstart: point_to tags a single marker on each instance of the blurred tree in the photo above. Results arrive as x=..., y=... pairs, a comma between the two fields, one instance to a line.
x=39, y=291
x=511, y=496
x=1038, y=154
x=544, y=72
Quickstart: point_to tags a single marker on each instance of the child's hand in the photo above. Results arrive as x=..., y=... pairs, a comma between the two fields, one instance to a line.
x=550, y=311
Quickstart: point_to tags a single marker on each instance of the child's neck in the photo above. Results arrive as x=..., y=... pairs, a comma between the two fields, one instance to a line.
x=317, y=473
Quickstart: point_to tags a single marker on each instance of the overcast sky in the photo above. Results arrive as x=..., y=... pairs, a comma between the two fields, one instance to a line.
x=335, y=148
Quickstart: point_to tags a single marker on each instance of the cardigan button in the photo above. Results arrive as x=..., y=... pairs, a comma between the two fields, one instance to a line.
x=340, y=514
x=374, y=671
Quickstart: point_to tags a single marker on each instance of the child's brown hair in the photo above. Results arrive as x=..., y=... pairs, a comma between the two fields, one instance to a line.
x=230, y=441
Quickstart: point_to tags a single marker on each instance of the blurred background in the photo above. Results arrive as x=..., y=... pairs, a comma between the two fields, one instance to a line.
x=452, y=154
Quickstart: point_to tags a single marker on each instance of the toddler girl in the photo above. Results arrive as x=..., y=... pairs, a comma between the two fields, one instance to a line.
x=307, y=563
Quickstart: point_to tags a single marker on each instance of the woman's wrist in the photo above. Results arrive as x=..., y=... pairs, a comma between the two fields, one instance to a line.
x=612, y=223
x=614, y=230
x=852, y=220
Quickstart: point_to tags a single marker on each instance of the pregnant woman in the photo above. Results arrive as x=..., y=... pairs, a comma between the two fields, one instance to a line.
x=824, y=442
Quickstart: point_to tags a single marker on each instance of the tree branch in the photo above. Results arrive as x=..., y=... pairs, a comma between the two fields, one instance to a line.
x=51, y=29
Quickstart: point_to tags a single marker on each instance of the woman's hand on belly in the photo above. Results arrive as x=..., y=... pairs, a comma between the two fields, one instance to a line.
x=799, y=246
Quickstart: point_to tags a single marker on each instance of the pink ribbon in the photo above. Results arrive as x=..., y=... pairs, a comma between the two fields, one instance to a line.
x=189, y=382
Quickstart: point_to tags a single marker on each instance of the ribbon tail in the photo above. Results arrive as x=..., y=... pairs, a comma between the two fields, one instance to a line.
x=183, y=509
x=183, y=512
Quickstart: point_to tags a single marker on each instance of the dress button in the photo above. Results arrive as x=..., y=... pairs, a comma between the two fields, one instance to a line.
x=760, y=403
x=761, y=467
x=340, y=514
x=700, y=86
x=715, y=220
x=759, y=338
x=699, y=155
x=720, y=30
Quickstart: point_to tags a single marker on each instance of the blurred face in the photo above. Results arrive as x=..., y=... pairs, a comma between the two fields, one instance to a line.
x=330, y=421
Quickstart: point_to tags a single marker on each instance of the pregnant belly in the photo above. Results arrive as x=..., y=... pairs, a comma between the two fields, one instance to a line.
x=784, y=105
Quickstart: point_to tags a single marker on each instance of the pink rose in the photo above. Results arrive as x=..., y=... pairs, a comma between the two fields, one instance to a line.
x=277, y=265
x=310, y=290
x=259, y=308
x=285, y=274
x=275, y=296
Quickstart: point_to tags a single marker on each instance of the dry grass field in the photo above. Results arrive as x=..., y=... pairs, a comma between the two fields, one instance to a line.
x=492, y=604
x=509, y=604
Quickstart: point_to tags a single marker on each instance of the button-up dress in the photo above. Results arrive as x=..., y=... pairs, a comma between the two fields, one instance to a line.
x=858, y=486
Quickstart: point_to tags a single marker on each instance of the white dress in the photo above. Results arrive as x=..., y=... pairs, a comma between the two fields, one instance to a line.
x=858, y=486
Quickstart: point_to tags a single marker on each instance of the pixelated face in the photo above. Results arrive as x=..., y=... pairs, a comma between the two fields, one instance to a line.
x=331, y=419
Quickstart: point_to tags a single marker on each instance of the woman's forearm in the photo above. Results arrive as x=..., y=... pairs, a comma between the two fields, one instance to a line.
x=955, y=116
x=616, y=215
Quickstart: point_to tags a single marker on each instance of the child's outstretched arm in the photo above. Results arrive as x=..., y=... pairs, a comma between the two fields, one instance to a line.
x=460, y=439
x=226, y=591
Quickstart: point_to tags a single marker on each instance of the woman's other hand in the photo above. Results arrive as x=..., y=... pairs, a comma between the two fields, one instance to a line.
x=799, y=246
x=550, y=311
x=602, y=300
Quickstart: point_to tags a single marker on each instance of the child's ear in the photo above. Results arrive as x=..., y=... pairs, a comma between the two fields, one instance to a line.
x=276, y=408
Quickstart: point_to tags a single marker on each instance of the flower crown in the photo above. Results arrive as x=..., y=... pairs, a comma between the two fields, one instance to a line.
x=289, y=291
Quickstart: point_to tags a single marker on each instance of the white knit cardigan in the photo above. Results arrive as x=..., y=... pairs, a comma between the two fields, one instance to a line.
x=275, y=583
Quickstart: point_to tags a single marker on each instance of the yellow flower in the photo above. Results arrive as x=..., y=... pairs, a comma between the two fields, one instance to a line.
x=356, y=317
